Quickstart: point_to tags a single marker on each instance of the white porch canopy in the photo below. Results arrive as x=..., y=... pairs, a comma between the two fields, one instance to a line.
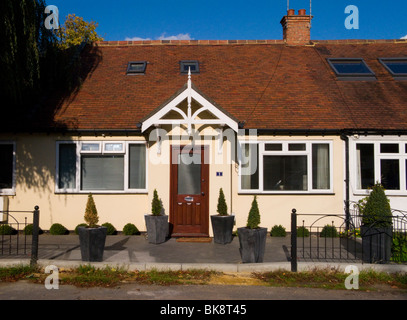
x=188, y=118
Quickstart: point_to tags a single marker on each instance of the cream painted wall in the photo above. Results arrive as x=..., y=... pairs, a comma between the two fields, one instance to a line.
x=35, y=184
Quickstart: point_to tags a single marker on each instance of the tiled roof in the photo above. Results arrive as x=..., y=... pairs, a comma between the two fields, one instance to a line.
x=262, y=83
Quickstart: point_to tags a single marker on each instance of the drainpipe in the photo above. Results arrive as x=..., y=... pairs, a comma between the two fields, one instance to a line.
x=345, y=138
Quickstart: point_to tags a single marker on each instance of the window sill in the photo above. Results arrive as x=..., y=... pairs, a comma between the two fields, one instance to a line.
x=365, y=193
x=297, y=193
x=7, y=193
x=101, y=192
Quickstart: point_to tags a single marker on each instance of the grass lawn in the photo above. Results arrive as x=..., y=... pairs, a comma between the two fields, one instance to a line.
x=89, y=276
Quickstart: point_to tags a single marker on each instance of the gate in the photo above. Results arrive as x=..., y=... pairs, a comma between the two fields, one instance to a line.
x=342, y=238
x=19, y=238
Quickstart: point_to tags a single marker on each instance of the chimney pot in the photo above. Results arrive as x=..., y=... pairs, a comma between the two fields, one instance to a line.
x=290, y=12
x=301, y=12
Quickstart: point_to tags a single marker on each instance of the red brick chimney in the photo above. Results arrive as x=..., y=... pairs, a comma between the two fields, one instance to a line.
x=296, y=28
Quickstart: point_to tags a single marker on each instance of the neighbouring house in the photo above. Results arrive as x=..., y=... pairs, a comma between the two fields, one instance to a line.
x=300, y=123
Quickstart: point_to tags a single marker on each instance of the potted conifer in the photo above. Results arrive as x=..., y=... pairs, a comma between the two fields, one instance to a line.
x=252, y=238
x=222, y=223
x=92, y=237
x=376, y=229
x=156, y=222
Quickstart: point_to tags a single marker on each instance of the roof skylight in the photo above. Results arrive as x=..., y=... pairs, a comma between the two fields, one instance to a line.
x=396, y=66
x=185, y=65
x=136, y=67
x=351, y=69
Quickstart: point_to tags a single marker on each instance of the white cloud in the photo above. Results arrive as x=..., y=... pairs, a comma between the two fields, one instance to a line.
x=136, y=39
x=180, y=36
x=405, y=37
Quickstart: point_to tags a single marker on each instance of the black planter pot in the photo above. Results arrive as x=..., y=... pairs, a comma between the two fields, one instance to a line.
x=252, y=244
x=92, y=243
x=222, y=227
x=376, y=244
x=157, y=228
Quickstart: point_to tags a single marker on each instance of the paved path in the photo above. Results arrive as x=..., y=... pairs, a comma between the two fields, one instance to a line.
x=137, y=253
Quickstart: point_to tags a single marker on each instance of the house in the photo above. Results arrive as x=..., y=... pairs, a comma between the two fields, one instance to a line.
x=300, y=123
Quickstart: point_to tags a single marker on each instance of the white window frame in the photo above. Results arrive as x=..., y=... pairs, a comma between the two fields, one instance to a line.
x=285, y=152
x=101, y=151
x=10, y=191
x=401, y=156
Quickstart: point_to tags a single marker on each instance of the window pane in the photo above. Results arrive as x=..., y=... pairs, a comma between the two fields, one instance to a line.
x=397, y=67
x=320, y=166
x=273, y=147
x=189, y=173
x=90, y=147
x=102, y=173
x=285, y=173
x=137, y=67
x=249, y=167
x=6, y=166
x=365, y=165
x=389, y=148
x=186, y=65
x=351, y=67
x=67, y=166
x=390, y=174
x=137, y=166
x=296, y=147
x=114, y=147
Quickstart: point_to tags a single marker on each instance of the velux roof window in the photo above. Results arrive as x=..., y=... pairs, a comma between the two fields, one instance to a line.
x=136, y=67
x=351, y=69
x=396, y=66
x=185, y=65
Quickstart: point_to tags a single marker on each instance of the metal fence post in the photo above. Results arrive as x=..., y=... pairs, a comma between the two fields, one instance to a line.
x=34, y=243
x=294, y=240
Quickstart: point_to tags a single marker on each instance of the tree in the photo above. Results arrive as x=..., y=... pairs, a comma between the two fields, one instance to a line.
x=76, y=30
x=24, y=39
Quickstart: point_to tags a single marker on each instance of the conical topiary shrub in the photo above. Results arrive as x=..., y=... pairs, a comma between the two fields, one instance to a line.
x=222, y=206
x=253, y=220
x=156, y=206
x=375, y=208
x=91, y=213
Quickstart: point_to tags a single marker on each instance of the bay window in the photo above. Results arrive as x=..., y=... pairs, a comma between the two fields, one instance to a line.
x=286, y=167
x=101, y=167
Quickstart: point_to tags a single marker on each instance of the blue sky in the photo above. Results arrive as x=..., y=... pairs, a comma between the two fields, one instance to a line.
x=234, y=19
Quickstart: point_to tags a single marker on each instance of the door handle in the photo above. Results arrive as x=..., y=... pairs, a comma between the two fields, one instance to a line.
x=203, y=193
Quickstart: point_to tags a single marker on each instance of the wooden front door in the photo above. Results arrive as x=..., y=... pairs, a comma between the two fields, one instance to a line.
x=189, y=188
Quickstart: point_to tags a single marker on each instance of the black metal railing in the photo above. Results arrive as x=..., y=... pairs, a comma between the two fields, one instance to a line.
x=20, y=238
x=341, y=237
